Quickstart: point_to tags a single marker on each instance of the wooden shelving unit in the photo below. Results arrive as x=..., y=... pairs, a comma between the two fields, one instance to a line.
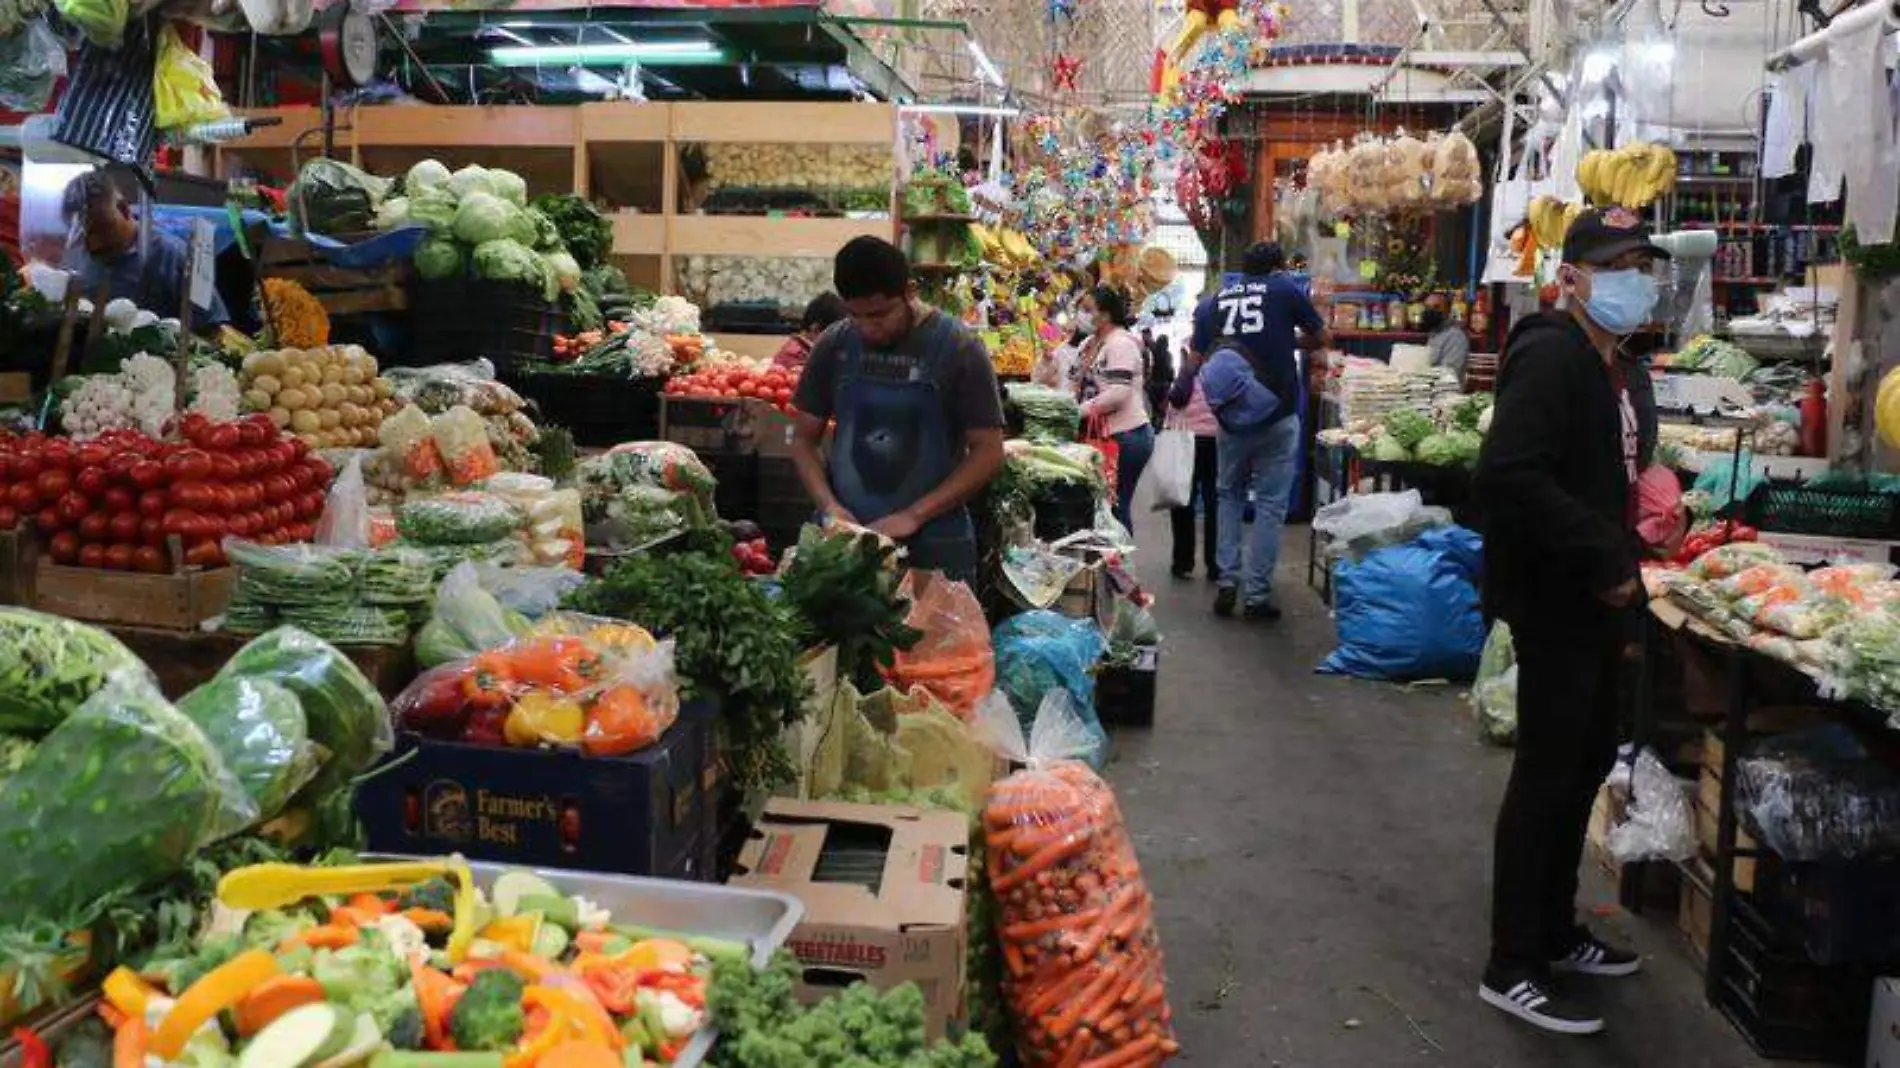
x=623, y=154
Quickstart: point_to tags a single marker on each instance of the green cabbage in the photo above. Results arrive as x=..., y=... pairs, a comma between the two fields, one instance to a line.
x=427, y=175
x=1387, y=450
x=507, y=260
x=434, y=209
x=509, y=186
x=1408, y=426
x=485, y=217
x=566, y=272
x=470, y=179
x=393, y=213
x=439, y=257
x=1451, y=448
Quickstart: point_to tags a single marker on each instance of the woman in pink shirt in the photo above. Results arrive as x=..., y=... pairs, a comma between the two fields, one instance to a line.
x=1189, y=410
x=1112, y=394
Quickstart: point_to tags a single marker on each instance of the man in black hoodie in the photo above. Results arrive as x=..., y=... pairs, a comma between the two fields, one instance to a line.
x=1556, y=482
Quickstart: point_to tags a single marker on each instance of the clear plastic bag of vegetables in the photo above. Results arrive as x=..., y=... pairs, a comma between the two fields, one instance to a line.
x=461, y=438
x=953, y=660
x=608, y=689
x=1725, y=560
x=458, y=519
x=468, y=619
x=396, y=575
x=345, y=712
x=260, y=730
x=50, y=665
x=1041, y=652
x=297, y=575
x=1085, y=979
x=345, y=519
x=120, y=794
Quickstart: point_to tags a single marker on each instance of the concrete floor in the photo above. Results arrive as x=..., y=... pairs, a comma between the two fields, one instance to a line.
x=1319, y=849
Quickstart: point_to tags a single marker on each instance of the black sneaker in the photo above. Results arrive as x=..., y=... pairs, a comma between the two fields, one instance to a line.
x=1182, y=574
x=1261, y=611
x=1593, y=956
x=1225, y=600
x=1532, y=1000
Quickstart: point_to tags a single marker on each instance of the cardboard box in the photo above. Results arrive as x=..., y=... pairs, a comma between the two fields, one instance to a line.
x=647, y=813
x=1883, y=1025
x=901, y=921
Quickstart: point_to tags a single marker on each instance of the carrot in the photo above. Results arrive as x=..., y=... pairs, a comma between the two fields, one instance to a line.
x=350, y=916
x=1048, y=856
x=429, y=919
x=1078, y=1049
x=1013, y=958
x=579, y=1055
x=328, y=936
x=436, y=995
x=128, y=1045
x=594, y=941
x=272, y=998
x=1031, y=930
x=370, y=903
x=1051, y=995
x=1131, y=1054
x=1072, y=1014
x=527, y=965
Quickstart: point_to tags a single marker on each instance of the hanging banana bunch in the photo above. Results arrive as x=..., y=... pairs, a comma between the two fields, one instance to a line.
x=1550, y=220
x=1632, y=176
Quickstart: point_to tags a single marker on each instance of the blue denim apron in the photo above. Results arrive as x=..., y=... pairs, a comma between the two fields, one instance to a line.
x=894, y=444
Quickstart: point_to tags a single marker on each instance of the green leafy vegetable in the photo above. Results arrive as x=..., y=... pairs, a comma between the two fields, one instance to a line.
x=483, y=217
x=1408, y=427
x=259, y=729
x=508, y=260
x=49, y=666
x=843, y=588
x=584, y=231
x=345, y=713
x=439, y=257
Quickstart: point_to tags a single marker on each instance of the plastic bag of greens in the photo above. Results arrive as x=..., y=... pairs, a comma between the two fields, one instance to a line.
x=296, y=574
x=396, y=575
x=31, y=60
x=468, y=619
x=50, y=665
x=259, y=729
x=1494, y=693
x=458, y=519
x=102, y=21
x=531, y=591
x=1042, y=652
x=345, y=713
x=332, y=197
x=118, y=796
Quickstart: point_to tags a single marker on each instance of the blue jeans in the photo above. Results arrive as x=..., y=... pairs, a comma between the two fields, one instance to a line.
x=1262, y=461
x=1137, y=448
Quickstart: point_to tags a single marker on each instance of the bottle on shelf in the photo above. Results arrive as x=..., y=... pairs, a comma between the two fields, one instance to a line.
x=1480, y=322
x=1814, y=419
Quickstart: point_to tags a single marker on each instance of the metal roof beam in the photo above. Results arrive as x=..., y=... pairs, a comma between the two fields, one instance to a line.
x=1504, y=58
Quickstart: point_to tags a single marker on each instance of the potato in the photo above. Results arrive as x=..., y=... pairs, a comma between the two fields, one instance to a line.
x=292, y=377
x=332, y=393
x=256, y=400
x=348, y=414
x=383, y=388
x=361, y=395
x=268, y=363
x=267, y=384
x=329, y=418
x=332, y=375
x=305, y=421
x=280, y=416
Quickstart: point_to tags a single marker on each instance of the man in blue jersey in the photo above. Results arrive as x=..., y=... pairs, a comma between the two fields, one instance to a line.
x=1245, y=338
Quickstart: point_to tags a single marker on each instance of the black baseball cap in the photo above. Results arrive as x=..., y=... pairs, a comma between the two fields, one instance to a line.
x=1600, y=236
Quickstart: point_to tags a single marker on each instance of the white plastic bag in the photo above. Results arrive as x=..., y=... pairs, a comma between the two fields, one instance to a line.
x=1172, y=469
x=345, y=519
x=1657, y=825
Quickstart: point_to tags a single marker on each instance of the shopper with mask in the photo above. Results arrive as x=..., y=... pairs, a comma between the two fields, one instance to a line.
x=1113, y=395
x=1556, y=480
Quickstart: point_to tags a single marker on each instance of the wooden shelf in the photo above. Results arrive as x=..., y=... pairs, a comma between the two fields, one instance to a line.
x=788, y=123
x=505, y=128
x=758, y=235
x=639, y=233
x=910, y=220
x=625, y=122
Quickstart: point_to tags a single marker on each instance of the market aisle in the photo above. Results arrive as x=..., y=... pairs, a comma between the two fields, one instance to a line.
x=1319, y=852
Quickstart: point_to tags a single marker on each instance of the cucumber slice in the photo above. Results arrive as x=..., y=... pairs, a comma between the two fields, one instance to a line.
x=561, y=910
x=300, y=1038
x=550, y=941
x=364, y=1041
x=511, y=886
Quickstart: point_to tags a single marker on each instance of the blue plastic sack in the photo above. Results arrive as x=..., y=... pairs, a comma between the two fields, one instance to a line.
x=1410, y=611
x=1041, y=651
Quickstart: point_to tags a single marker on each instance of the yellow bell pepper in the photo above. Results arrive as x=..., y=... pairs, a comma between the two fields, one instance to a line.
x=515, y=932
x=126, y=992
x=541, y=717
x=219, y=989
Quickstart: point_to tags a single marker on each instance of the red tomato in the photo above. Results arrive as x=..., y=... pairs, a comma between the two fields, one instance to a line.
x=6, y=464
x=64, y=547
x=147, y=474
x=248, y=494
x=151, y=531
x=95, y=527
x=204, y=553
x=242, y=525
x=227, y=437
x=783, y=396
x=27, y=466
x=9, y=517
x=119, y=558
x=180, y=521
x=299, y=448
x=73, y=507
x=193, y=495
x=124, y=526
x=93, y=555
x=188, y=465
x=121, y=464
x=92, y=481
x=153, y=502
x=53, y=482
x=58, y=454
x=92, y=454
x=24, y=497
x=48, y=520
x=117, y=499
x=224, y=467
x=149, y=559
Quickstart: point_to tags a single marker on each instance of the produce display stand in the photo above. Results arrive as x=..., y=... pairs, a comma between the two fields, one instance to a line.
x=187, y=659
x=178, y=601
x=1756, y=970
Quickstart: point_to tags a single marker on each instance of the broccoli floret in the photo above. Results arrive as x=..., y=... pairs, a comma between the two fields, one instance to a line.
x=366, y=977
x=179, y=974
x=267, y=930
x=489, y=1016
x=405, y=1031
x=437, y=893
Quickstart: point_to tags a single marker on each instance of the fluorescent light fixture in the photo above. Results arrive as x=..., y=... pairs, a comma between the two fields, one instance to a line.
x=983, y=65
x=654, y=53
x=964, y=109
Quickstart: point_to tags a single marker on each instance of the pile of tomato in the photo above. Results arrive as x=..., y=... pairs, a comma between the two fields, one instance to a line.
x=735, y=382
x=116, y=501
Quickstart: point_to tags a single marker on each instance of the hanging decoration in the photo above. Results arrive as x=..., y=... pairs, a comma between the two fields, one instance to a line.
x=1062, y=10
x=1397, y=175
x=1067, y=69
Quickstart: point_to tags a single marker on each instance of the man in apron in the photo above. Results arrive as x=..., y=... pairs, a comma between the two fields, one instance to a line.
x=919, y=417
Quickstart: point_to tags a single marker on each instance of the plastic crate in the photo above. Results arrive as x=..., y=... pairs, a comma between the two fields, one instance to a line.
x=1841, y=911
x=1125, y=695
x=460, y=319
x=1833, y=513
x=1789, y=1008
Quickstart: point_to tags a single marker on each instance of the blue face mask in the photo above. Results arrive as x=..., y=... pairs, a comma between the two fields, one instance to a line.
x=1620, y=301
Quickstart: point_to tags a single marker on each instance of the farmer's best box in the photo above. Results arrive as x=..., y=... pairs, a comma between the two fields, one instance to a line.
x=883, y=888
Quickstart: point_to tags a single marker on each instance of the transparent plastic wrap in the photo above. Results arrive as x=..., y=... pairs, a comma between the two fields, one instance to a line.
x=1083, y=976
x=531, y=591
x=1042, y=652
x=1725, y=560
x=597, y=691
x=260, y=731
x=32, y=59
x=184, y=88
x=1864, y=661
x=52, y=665
x=467, y=620
x=461, y=437
x=1758, y=579
x=458, y=519
x=1657, y=824
x=442, y=387
x=345, y=713
x=953, y=660
x=1817, y=794
x=345, y=519
x=350, y=624
x=294, y=575
x=660, y=464
x=120, y=794
x=1494, y=692
x=409, y=437
x=396, y=576
x=1358, y=523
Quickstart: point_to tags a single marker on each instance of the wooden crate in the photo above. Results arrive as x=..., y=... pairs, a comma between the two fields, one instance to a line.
x=1708, y=806
x=16, y=387
x=185, y=660
x=341, y=290
x=178, y=601
x=1695, y=911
